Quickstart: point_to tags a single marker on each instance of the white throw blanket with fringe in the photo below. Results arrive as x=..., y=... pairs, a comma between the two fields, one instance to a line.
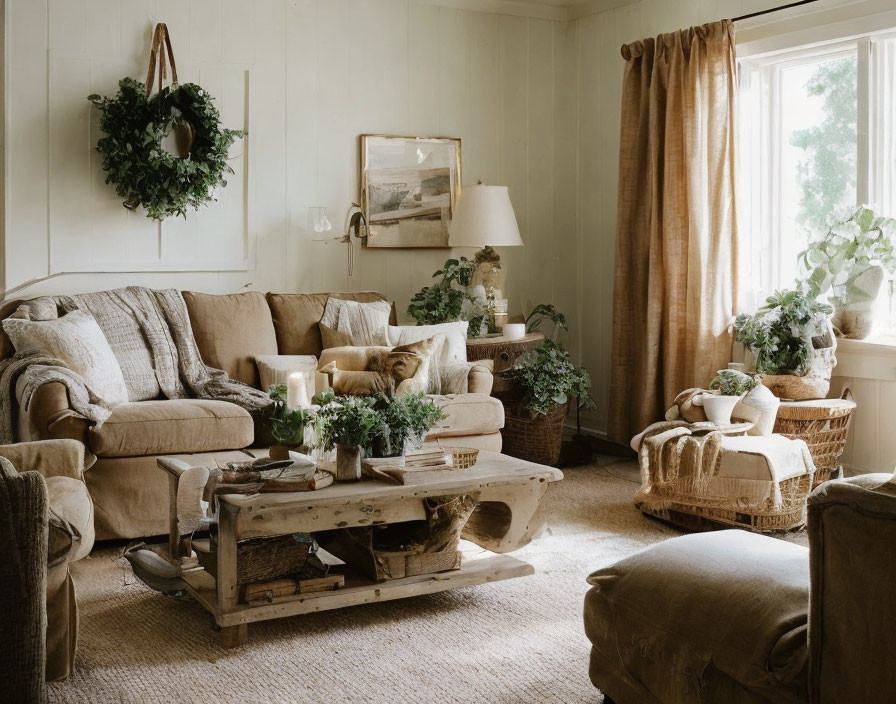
x=678, y=464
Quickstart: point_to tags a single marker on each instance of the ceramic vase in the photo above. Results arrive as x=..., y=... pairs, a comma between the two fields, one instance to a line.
x=348, y=463
x=718, y=408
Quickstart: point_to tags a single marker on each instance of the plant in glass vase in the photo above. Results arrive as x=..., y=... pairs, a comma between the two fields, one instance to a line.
x=405, y=422
x=347, y=423
x=849, y=261
x=287, y=424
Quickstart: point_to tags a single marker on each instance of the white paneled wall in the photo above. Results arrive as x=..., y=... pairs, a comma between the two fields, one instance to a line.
x=306, y=77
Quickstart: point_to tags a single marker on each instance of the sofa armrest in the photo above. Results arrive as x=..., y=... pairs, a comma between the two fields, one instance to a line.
x=49, y=415
x=852, y=530
x=481, y=380
x=52, y=458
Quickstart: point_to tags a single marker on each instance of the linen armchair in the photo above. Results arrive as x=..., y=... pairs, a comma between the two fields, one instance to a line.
x=50, y=526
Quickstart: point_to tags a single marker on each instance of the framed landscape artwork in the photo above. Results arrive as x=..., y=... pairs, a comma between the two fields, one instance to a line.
x=409, y=187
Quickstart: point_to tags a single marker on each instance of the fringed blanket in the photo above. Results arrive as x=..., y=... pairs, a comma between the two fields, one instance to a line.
x=683, y=462
x=163, y=320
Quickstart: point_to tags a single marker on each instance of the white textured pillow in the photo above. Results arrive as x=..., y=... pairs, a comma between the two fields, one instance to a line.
x=454, y=349
x=350, y=323
x=77, y=340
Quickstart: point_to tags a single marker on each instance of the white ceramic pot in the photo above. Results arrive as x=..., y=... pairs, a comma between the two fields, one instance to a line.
x=718, y=408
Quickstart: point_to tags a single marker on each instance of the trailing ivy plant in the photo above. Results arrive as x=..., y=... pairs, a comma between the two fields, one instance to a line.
x=849, y=248
x=779, y=333
x=542, y=312
x=143, y=172
x=549, y=379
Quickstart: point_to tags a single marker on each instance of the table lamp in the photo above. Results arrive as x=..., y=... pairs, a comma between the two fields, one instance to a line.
x=484, y=218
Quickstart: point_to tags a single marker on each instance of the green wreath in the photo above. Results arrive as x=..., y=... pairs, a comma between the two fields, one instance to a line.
x=143, y=171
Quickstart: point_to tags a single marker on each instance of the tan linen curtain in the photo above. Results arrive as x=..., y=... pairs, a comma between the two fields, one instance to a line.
x=676, y=253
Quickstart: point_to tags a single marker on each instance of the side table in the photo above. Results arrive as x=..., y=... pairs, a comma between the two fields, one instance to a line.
x=823, y=424
x=500, y=349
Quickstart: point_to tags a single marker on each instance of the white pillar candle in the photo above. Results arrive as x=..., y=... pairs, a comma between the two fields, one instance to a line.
x=514, y=331
x=296, y=391
x=321, y=382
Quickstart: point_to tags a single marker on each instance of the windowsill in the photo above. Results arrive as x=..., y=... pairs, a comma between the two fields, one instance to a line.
x=871, y=358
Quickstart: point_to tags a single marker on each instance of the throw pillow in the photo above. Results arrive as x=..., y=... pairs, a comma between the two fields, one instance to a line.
x=76, y=340
x=428, y=377
x=454, y=349
x=353, y=383
x=347, y=323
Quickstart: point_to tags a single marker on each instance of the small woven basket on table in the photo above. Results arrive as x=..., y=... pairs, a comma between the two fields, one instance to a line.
x=823, y=424
x=532, y=437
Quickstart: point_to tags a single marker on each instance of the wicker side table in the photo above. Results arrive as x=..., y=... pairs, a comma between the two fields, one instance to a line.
x=500, y=349
x=823, y=424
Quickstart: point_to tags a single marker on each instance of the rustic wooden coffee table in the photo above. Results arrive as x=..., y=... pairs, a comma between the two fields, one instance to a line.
x=509, y=491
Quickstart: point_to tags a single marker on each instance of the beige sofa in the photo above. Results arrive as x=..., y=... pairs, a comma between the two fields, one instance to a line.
x=129, y=491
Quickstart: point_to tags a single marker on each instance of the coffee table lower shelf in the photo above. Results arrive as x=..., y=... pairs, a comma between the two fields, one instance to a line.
x=477, y=567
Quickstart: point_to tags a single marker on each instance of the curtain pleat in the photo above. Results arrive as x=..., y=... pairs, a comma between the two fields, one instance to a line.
x=676, y=239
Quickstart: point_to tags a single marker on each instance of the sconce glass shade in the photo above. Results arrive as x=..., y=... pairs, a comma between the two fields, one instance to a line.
x=484, y=216
x=318, y=220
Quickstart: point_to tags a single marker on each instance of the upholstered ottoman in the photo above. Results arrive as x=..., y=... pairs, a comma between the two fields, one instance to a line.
x=710, y=617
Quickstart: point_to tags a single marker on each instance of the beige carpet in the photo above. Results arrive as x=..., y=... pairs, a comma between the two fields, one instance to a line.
x=511, y=642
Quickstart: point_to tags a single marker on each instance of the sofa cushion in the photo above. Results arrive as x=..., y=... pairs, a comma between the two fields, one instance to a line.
x=467, y=414
x=727, y=603
x=177, y=425
x=297, y=315
x=231, y=331
x=354, y=323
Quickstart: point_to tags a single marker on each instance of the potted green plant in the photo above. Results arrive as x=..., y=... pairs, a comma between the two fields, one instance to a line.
x=730, y=386
x=347, y=423
x=535, y=406
x=792, y=341
x=404, y=423
x=849, y=261
x=545, y=312
x=447, y=300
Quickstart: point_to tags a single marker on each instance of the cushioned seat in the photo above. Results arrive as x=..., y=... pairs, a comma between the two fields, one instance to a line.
x=170, y=426
x=709, y=617
x=467, y=414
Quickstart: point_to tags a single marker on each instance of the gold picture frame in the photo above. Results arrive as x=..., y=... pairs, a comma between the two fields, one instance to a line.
x=409, y=189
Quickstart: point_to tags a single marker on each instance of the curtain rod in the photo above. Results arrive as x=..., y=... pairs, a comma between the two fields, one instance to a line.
x=772, y=9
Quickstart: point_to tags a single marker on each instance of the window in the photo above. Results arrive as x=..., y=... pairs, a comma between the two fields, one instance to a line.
x=818, y=137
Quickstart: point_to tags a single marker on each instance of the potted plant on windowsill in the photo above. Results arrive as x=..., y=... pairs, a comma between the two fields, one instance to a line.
x=792, y=341
x=536, y=403
x=849, y=261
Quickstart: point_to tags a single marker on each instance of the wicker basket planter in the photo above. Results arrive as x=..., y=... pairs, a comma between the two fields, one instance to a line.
x=824, y=425
x=534, y=438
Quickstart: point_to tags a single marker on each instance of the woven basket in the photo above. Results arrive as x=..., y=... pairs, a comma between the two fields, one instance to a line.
x=536, y=439
x=462, y=457
x=824, y=425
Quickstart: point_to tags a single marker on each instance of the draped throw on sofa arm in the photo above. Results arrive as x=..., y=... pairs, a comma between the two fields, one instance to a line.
x=676, y=239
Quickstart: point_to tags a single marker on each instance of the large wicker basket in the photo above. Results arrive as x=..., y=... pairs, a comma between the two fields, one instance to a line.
x=535, y=438
x=823, y=424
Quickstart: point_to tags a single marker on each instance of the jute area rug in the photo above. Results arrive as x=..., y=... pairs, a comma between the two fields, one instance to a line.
x=514, y=642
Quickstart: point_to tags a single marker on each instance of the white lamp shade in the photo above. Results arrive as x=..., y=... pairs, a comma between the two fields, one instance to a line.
x=484, y=216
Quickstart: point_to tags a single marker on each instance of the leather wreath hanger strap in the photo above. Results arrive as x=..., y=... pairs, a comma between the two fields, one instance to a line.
x=160, y=36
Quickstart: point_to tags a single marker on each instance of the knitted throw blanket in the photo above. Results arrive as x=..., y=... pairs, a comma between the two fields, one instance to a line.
x=162, y=318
